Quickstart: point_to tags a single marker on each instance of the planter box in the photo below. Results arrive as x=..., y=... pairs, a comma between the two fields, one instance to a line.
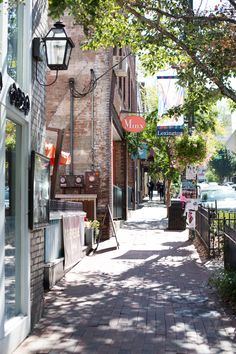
x=89, y=237
x=53, y=272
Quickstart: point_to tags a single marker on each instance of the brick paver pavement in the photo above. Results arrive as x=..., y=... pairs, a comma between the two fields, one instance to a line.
x=149, y=296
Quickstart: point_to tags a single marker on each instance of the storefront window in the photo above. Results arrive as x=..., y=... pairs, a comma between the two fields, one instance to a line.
x=14, y=42
x=12, y=235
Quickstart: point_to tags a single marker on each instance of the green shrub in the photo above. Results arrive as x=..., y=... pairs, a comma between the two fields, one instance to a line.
x=225, y=282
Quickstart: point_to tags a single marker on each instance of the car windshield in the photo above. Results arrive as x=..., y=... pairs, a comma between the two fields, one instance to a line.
x=219, y=194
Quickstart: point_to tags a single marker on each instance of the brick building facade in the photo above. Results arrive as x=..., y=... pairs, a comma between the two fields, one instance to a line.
x=38, y=128
x=92, y=122
x=22, y=130
x=85, y=102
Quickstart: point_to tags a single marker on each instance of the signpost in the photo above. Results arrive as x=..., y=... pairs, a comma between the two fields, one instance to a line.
x=169, y=95
x=109, y=214
x=170, y=126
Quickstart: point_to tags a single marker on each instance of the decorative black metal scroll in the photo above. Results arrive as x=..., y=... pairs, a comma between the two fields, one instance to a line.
x=19, y=99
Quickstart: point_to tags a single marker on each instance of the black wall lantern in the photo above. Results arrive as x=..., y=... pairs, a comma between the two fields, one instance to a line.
x=58, y=47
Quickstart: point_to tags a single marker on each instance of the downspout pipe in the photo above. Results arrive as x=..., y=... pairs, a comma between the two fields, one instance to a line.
x=92, y=134
x=72, y=86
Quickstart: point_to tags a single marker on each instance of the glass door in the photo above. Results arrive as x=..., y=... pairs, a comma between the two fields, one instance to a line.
x=12, y=261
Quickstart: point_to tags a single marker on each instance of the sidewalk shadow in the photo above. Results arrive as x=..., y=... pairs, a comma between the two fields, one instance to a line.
x=146, y=225
x=101, y=312
x=176, y=250
x=147, y=254
x=104, y=250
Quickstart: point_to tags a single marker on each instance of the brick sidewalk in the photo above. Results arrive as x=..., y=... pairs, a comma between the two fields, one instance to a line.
x=149, y=296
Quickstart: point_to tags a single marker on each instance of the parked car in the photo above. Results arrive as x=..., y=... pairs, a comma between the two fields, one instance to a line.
x=201, y=187
x=222, y=197
x=228, y=184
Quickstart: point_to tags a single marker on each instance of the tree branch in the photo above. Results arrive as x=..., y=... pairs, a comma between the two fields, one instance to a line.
x=193, y=55
x=233, y=3
x=190, y=18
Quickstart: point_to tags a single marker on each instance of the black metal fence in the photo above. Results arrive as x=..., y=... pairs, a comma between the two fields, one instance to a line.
x=229, y=248
x=217, y=230
x=203, y=227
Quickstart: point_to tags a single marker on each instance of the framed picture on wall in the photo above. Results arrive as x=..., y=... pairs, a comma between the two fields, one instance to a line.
x=39, y=191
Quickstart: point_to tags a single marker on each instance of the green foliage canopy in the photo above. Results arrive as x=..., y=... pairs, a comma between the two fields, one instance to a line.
x=199, y=44
x=171, y=154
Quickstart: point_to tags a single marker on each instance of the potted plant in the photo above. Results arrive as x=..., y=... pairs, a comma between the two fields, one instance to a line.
x=95, y=224
x=91, y=232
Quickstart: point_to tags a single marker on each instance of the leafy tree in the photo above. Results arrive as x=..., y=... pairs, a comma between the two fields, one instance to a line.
x=199, y=44
x=171, y=154
x=211, y=176
x=223, y=164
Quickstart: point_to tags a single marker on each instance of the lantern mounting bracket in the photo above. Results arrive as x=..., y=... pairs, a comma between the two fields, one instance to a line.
x=36, y=49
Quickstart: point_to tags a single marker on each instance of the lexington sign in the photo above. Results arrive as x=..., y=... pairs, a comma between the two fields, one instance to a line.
x=134, y=124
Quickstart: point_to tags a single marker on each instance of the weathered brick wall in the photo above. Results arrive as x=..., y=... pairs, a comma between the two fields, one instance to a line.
x=131, y=172
x=126, y=99
x=119, y=163
x=39, y=28
x=126, y=88
x=89, y=150
x=37, y=143
x=120, y=166
x=37, y=274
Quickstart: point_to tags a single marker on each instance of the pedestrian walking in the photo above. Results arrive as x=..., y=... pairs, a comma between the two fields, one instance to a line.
x=150, y=186
x=161, y=190
x=158, y=187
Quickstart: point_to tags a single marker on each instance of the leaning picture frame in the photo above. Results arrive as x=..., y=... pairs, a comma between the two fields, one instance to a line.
x=39, y=191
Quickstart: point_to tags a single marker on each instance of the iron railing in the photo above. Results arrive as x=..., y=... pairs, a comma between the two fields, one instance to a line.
x=230, y=242
x=203, y=226
x=217, y=231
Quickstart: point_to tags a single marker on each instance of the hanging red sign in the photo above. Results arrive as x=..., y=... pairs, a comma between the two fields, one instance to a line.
x=134, y=124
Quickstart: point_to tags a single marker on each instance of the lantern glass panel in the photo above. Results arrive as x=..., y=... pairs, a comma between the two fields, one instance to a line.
x=56, y=51
x=68, y=53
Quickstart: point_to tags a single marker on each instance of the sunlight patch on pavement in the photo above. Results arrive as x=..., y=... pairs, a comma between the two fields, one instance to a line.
x=226, y=346
x=178, y=327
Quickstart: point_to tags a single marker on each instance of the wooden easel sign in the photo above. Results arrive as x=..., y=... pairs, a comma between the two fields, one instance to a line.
x=108, y=211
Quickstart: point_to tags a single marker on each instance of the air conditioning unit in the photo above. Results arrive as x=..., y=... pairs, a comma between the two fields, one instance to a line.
x=121, y=68
x=72, y=181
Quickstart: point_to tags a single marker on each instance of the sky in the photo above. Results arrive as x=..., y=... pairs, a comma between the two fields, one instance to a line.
x=205, y=4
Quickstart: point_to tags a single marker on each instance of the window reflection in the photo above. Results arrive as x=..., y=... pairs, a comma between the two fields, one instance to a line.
x=12, y=48
x=12, y=243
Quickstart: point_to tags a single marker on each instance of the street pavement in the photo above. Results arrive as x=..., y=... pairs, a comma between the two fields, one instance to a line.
x=149, y=296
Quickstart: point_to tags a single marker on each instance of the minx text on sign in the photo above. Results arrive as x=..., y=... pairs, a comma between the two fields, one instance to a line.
x=134, y=124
